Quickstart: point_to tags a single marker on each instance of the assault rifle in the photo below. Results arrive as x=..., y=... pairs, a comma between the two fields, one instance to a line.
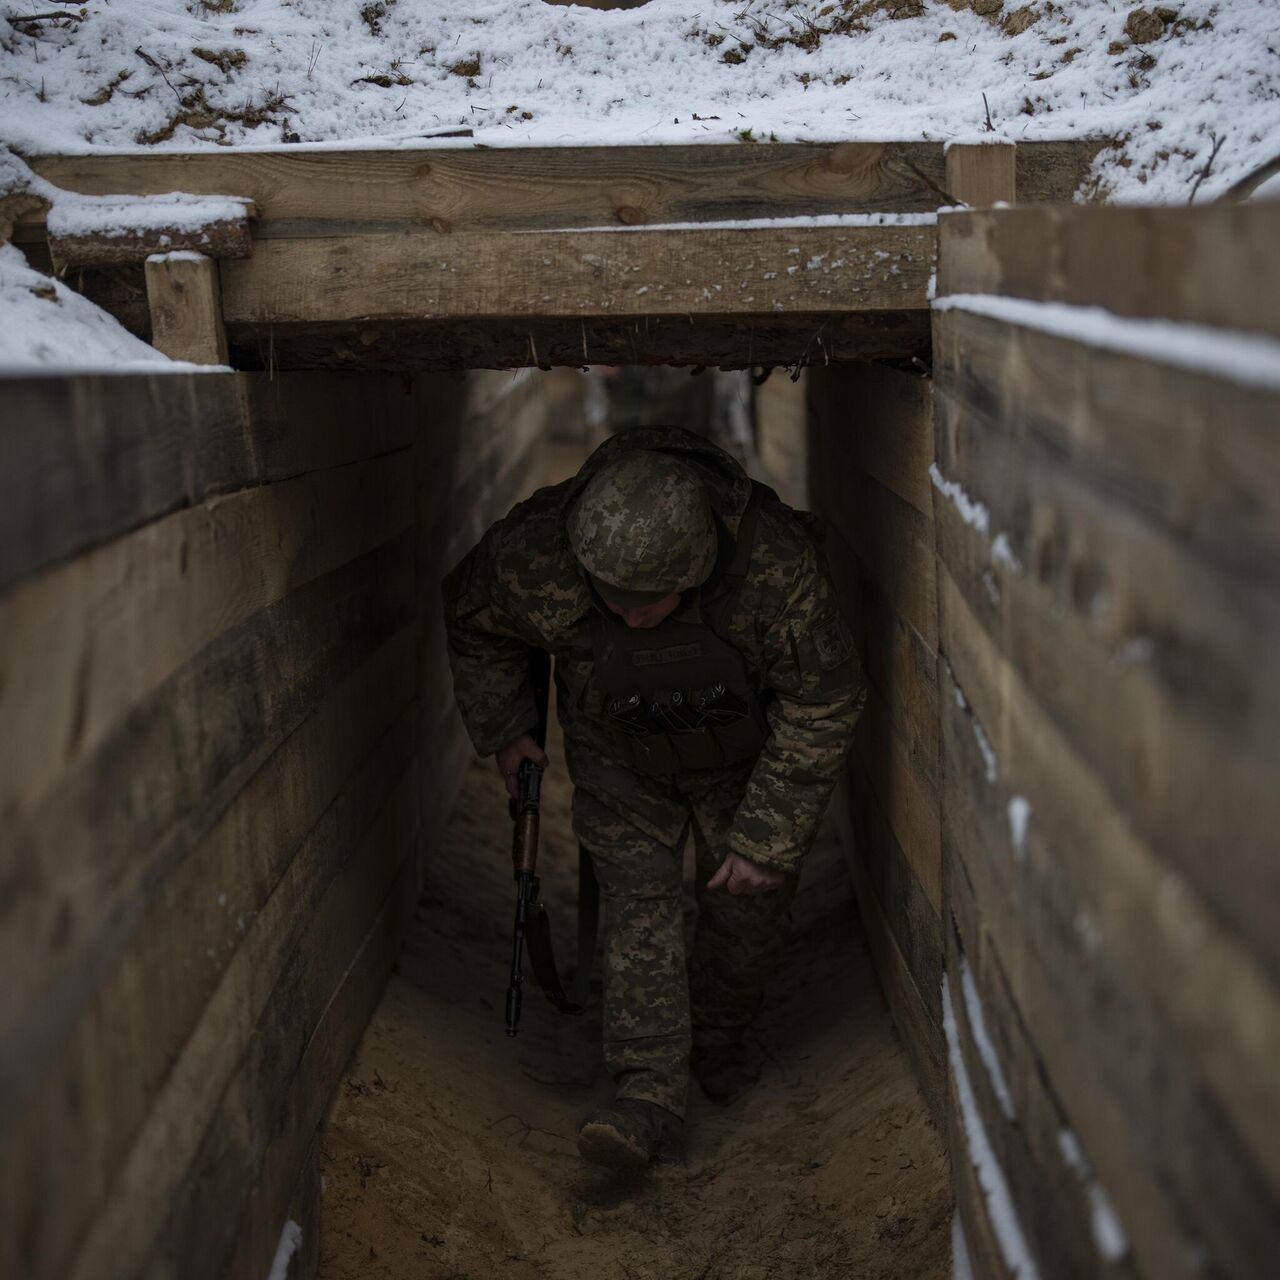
x=532, y=925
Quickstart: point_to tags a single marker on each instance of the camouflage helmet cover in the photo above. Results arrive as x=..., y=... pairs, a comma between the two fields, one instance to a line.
x=643, y=523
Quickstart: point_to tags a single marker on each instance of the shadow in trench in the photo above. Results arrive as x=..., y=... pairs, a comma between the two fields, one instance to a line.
x=449, y=1150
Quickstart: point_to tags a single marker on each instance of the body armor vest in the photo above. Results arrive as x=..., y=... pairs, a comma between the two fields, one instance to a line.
x=677, y=697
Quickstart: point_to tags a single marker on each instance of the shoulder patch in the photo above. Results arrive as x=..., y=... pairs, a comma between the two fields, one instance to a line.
x=832, y=643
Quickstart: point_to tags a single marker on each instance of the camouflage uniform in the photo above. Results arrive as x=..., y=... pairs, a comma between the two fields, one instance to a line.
x=521, y=587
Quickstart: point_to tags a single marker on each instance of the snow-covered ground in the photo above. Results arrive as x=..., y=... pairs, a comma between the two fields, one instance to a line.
x=1190, y=91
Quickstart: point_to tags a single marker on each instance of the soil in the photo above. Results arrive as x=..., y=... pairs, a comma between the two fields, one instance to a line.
x=449, y=1150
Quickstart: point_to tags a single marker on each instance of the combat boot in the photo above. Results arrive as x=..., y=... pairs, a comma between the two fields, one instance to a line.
x=724, y=1071
x=631, y=1134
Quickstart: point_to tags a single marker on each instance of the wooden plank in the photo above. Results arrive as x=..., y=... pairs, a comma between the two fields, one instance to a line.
x=131, y=1057
x=920, y=1031
x=91, y=457
x=416, y=275
x=1065, y=1212
x=468, y=188
x=135, y=807
x=69, y=639
x=907, y=800
x=1210, y=265
x=316, y=1015
x=897, y=663
x=1156, y=1042
x=120, y=241
x=1059, y=172
x=888, y=871
x=463, y=343
x=471, y=188
x=1153, y=664
x=983, y=173
x=185, y=300
x=274, y=987
x=1190, y=452
x=985, y=1259
x=879, y=420
x=894, y=543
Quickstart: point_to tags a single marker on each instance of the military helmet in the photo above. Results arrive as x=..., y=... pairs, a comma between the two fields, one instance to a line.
x=642, y=528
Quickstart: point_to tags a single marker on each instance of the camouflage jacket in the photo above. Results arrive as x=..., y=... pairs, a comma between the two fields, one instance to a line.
x=521, y=587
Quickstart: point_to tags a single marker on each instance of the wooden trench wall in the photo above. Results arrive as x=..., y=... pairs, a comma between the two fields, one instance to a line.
x=228, y=743
x=1063, y=558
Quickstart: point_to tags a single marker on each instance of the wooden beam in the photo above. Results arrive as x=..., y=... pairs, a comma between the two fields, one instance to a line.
x=186, y=307
x=119, y=244
x=729, y=342
x=1214, y=264
x=471, y=188
x=982, y=174
x=416, y=275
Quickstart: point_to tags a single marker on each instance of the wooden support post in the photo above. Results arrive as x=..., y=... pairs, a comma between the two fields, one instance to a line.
x=185, y=298
x=979, y=174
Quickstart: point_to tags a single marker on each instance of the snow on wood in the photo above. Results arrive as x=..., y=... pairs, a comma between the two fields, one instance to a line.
x=991, y=1177
x=1247, y=358
x=982, y=1039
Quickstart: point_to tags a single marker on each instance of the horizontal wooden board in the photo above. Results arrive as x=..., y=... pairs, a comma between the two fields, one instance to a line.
x=132, y=1055
x=1211, y=265
x=470, y=187
x=703, y=339
x=1058, y=1199
x=417, y=275
x=897, y=662
x=1193, y=453
x=220, y=238
x=300, y=1045
x=273, y=994
x=68, y=639
x=1156, y=667
x=879, y=420
x=79, y=869
x=91, y=457
x=894, y=543
x=888, y=871
x=1134, y=1010
x=906, y=800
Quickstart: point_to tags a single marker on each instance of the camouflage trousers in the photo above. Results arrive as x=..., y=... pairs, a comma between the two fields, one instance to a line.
x=656, y=1006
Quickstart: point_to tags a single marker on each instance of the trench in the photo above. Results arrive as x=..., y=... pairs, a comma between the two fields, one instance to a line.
x=449, y=1149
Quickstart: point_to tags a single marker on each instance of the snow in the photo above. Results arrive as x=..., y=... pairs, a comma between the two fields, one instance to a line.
x=991, y=1177
x=1019, y=818
x=290, y=1240
x=769, y=224
x=50, y=327
x=524, y=73
x=961, y=1266
x=972, y=512
x=1250, y=359
x=73, y=214
x=990, y=761
x=982, y=1039
x=1109, y=1236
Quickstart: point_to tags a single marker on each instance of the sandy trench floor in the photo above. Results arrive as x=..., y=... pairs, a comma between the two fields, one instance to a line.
x=448, y=1151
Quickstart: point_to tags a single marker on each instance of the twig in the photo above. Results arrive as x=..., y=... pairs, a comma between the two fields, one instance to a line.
x=155, y=66
x=44, y=17
x=1208, y=165
x=987, y=108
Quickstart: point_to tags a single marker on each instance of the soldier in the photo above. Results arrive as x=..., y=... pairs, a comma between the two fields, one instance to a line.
x=705, y=680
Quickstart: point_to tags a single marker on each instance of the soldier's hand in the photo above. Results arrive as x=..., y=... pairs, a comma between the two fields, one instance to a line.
x=508, y=760
x=741, y=875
